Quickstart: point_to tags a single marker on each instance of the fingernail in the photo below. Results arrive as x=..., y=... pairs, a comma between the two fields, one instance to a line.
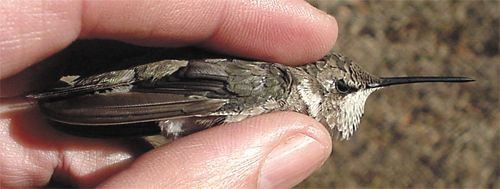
x=291, y=162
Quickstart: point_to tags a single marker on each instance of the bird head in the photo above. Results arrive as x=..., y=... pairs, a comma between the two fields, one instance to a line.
x=347, y=87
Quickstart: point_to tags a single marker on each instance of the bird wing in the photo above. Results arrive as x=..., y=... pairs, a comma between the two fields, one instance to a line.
x=163, y=90
x=126, y=108
x=114, y=80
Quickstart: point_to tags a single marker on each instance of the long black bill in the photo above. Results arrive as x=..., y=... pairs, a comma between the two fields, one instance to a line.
x=387, y=81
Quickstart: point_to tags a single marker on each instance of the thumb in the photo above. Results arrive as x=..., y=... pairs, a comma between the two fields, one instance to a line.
x=275, y=150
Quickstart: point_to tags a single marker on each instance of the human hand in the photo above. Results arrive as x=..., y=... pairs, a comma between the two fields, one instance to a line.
x=272, y=150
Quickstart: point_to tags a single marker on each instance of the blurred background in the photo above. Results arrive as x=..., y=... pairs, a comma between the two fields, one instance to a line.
x=424, y=135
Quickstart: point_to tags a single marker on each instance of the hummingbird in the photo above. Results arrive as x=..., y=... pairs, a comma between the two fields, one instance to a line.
x=176, y=97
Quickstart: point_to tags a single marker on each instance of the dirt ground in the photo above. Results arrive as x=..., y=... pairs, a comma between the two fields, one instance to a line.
x=424, y=135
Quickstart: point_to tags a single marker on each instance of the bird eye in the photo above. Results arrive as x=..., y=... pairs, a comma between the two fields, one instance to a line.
x=342, y=87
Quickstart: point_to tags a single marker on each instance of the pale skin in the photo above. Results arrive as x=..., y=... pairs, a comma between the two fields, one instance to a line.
x=276, y=150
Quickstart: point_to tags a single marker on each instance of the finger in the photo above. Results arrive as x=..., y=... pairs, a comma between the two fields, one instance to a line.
x=284, y=31
x=33, y=30
x=33, y=154
x=289, y=32
x=276, y=150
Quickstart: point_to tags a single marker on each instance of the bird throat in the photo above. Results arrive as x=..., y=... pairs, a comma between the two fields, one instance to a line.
x=350, y=110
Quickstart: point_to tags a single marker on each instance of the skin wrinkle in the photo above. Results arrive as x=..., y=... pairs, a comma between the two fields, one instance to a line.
x=250, y=16
x=154, y=31
x=6, y=148
x=8, y=43
x=254, y=163
x=88, y=163
x=61, y=164
x=152, y=28
x=304, y=13
x=64, y=164
x=88, y=28
x=272, y=47
x=221, y=20
x=284, y=137
x=36, y=178
x=176, y=30
x=284, y=141
x=37, y=24
x=31, y=171
x=241, y=167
